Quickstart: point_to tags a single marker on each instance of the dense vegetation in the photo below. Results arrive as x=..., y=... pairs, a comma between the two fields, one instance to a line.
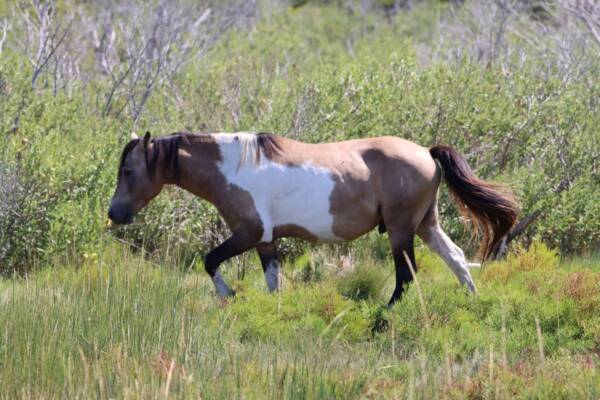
x=524, y=112
x=93, y=310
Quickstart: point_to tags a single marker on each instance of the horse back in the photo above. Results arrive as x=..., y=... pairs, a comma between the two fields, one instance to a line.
x=339, y=191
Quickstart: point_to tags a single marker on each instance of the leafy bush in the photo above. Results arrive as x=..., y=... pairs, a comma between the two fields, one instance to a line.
x=537, y=258
x=25, y=205
x=317, y=73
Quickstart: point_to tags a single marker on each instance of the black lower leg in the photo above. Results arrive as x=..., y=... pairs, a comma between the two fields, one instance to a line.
x=403, y=273
x=267, y=252
x=236, y=244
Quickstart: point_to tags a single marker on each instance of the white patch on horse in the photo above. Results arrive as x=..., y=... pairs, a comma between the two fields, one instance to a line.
x=220, y=286
x=273, y=276
x=282, y=195
x=451, y=254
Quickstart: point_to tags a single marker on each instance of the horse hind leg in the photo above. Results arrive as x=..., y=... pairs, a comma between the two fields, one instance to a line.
x=402, y=243
x=432, y=234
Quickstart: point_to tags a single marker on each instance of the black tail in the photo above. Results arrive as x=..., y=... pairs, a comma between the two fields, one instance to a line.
x=490, y=207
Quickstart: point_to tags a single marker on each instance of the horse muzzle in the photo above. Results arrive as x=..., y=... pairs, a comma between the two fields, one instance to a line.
x=120, y=215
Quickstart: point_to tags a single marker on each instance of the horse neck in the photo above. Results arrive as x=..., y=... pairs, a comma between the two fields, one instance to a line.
x=199, y=170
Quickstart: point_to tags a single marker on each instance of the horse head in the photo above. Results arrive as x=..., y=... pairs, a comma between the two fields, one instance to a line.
x=137, y=181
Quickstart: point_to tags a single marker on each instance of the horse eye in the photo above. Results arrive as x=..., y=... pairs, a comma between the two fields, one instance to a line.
x=127, y=173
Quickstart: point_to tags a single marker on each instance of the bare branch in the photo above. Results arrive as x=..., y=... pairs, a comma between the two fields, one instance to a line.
x=150, y=53
x=501, y=248
x=3, y=39
x=137, y=47
x=48, y=51
x=588, y=13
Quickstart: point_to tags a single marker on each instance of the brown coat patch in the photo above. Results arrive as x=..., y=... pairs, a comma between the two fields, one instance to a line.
x=199, y=161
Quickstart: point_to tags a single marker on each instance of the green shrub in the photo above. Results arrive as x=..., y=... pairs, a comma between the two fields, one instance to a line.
x=537, y=258
x=365, y=282
x=25, y=206
x=312, y=310
x=316, y=74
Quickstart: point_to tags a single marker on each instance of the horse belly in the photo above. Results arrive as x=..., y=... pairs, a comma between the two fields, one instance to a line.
x=308, y=213
x=355, y=208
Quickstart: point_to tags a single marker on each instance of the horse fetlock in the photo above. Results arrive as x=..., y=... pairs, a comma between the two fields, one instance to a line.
x=466, y=280
x=223, y=290
x=471, y=286
x=273, y=277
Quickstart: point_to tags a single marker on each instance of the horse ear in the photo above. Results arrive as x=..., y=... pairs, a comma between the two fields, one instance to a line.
x=134, y=135
x=146, y=139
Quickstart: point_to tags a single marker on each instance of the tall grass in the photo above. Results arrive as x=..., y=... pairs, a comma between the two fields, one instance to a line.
x=119, y=326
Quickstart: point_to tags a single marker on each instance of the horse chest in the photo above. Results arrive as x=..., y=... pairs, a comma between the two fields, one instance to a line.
x=289, y=195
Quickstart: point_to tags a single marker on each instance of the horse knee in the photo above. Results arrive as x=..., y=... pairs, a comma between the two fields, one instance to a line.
x=458, y=252
x=403, y=274
x=211, y=264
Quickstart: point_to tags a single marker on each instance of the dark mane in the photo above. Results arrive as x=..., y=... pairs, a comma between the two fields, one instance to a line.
x=268, y=144
x=168, y=147
x=128, y=148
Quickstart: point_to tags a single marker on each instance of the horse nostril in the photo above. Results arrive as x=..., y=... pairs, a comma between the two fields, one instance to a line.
x=120, y=215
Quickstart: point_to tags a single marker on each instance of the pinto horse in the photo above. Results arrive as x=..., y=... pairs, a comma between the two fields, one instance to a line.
x=266, y=187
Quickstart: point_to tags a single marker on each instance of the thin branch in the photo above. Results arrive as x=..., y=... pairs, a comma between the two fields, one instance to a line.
x=501, y=248
x=3, y=39
x=53, y=47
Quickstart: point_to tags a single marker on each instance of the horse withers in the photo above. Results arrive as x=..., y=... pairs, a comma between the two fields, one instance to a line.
x=266, y=187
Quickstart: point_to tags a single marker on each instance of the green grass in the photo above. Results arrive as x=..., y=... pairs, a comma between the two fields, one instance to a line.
x=120, y=326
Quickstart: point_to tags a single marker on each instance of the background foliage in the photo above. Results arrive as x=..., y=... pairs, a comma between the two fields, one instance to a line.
x=513, y=85
x=92, y=311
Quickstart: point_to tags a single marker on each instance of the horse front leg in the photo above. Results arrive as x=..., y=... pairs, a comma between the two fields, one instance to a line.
x=241, y=241
x=267, y=252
